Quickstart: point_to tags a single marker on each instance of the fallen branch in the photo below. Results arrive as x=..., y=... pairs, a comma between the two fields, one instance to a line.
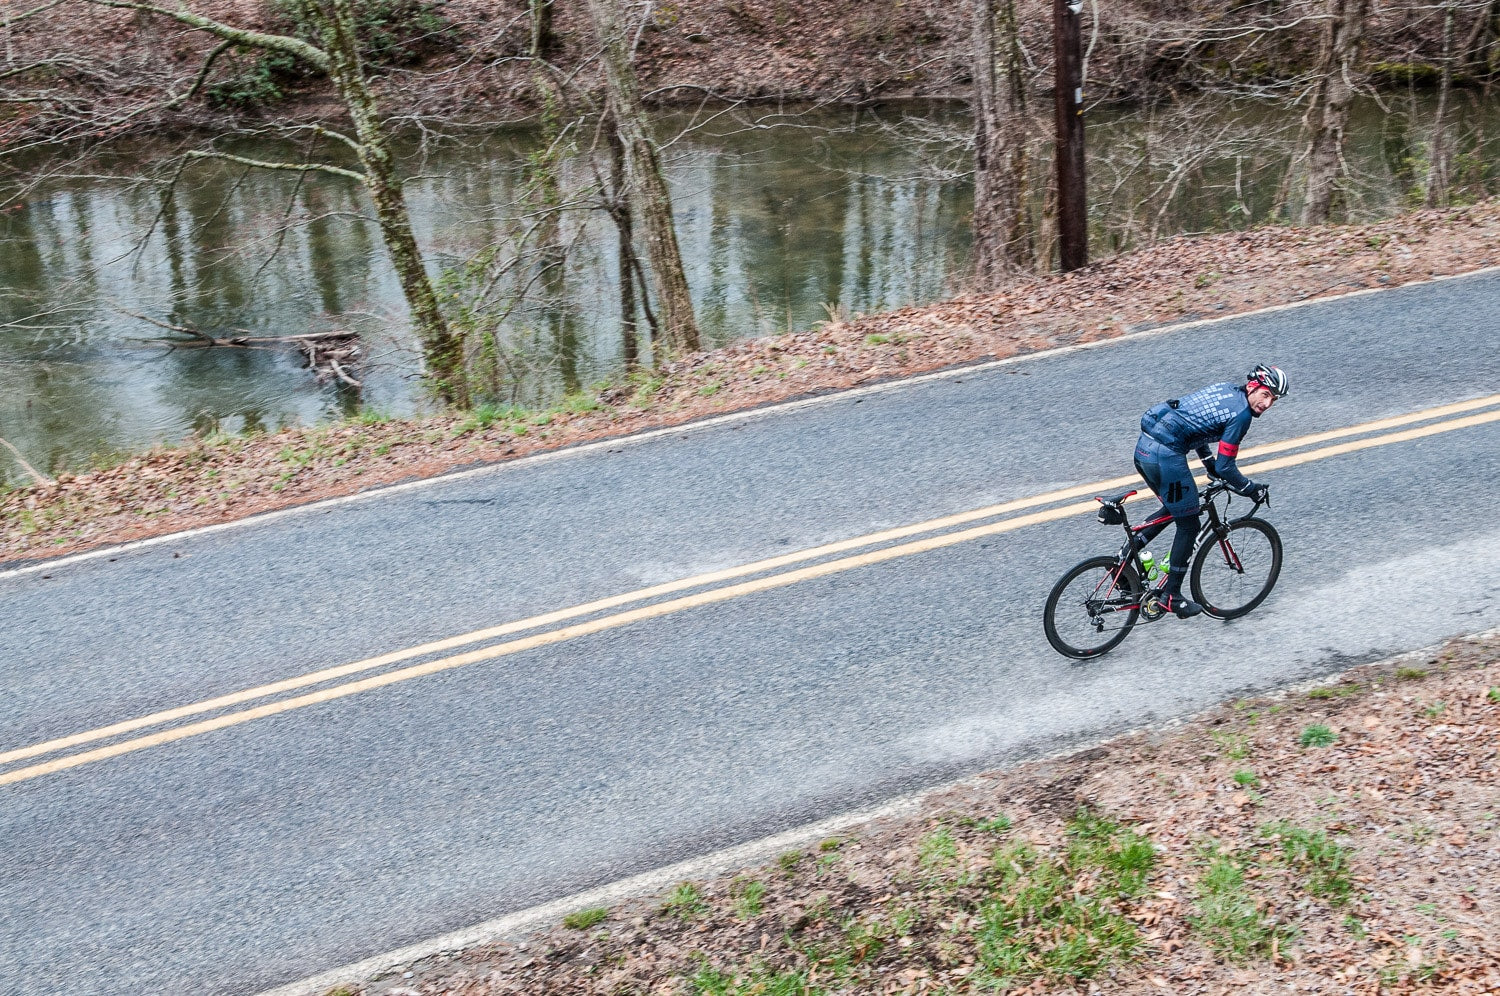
x=36, y=475
x=326, y=352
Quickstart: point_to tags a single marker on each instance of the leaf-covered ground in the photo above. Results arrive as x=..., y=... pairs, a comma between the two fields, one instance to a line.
x=217, y=479
x=1344, y=839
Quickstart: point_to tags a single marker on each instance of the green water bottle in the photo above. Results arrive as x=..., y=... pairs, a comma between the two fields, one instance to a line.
x=1149, y=563
x=1164, y=566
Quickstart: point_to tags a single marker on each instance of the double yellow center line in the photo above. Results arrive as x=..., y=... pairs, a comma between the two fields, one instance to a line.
x=774, y=573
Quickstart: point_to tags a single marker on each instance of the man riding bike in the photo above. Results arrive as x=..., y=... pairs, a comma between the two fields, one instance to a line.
x=1218, y=413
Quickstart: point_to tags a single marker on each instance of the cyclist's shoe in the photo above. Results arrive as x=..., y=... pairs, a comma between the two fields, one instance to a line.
x=1182, y=608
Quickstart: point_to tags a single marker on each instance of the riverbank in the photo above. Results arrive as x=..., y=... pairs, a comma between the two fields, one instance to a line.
x=1341, y=838
x=222, y=478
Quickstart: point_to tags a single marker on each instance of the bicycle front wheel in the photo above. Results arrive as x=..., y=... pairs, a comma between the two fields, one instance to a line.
x=1092, y=608
x=1234, y=573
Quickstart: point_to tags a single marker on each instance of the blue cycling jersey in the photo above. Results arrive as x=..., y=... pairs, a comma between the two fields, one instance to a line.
x=1218, y=413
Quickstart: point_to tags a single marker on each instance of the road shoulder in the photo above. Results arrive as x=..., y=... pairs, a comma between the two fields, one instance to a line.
x=1335, y=835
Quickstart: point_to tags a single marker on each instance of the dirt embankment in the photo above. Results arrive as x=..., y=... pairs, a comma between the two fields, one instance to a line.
x=218, y=479
x=464, y=58
x=1340, y=840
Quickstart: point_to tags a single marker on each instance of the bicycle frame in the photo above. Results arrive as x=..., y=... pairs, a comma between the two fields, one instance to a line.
x=1216, y=527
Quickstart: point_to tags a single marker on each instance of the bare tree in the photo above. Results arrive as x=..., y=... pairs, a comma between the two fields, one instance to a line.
x=1440, y=158
x=1003, y=238
x=648, y=188
x=339, y=58
x=1328, y=112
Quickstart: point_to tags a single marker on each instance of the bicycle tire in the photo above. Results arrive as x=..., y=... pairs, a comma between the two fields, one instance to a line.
x=1231, y=553
x=1103, y=566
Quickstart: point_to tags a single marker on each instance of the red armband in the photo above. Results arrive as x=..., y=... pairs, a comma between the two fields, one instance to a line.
x=1229, y=450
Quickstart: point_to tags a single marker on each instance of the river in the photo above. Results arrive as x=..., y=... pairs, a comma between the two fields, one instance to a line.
x=783, y=219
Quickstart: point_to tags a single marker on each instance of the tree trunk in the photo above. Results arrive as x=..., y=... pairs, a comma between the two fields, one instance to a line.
x=441, y=349
x=1072, y=191
x=1481, y=35
x=1439, y=159
x=1002, y=238
x=543, y=40
x=544, y=191
x=1328, y=113
x=619, y=211
x=648, y=189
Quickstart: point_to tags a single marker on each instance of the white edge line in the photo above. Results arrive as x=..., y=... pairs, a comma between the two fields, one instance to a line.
x=766, y=411
x=753, y=852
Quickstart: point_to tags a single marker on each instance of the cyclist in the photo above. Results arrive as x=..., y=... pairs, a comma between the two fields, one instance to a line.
x=1218, y=413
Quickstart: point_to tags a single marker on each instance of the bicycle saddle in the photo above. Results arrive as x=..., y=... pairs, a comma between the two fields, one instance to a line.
x=1116, y=500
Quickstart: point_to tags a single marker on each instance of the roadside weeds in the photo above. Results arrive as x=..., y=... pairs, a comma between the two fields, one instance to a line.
x=1217, y=856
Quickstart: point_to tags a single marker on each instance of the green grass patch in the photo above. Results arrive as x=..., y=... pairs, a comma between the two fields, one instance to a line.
x=1234, y=746
x=1433, y=710
x=584, y=919
x=580, y=403
x=789, y=861
x=1246, y=778
x=487, y=415
x=1321, y=863
x=1335, y=691
x=1229, y=918
x=937, y=849
x=646, y=386
x=999, y=823
x=863, y=939
x=685, y=902
x=749, y=898
x=1410, y=673
x=1059, y=918
x=1493, y=695
x=756, y=980
x=1316, y=735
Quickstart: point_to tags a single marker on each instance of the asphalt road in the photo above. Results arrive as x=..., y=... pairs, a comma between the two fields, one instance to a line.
x=248, y=856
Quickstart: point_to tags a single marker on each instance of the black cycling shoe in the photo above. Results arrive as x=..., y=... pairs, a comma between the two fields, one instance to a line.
x=1182, y=608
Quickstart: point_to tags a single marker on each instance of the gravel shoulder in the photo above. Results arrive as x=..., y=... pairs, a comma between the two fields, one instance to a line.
x=217, y=479
x=1337, y=839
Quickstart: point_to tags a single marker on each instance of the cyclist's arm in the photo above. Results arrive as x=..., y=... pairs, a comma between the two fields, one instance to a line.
x=1207, y=457
x=1229, y=451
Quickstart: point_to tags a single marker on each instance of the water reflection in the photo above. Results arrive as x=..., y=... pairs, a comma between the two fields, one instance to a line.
x=778, y=228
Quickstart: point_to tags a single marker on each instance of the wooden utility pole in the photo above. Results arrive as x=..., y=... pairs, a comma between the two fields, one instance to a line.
x=1072, y=198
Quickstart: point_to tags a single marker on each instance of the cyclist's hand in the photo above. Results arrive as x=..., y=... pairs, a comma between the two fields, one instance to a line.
x=1259, y=493
x=1208, y=465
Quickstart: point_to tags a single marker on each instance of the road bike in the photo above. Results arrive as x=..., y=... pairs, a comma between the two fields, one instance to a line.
x=1096, y=604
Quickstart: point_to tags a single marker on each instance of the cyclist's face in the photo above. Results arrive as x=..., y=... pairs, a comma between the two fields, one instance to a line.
x=1261, y=399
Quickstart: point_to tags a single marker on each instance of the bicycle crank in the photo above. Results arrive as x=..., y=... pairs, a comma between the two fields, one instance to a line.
x=1151, y=608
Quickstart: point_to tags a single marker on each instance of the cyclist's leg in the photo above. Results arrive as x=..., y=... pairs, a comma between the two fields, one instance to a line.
x=1180, y=498
x=1147, y=463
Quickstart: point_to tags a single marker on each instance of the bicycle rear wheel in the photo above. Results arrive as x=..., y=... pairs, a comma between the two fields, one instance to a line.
x=1234, y=573
x=1092, y=608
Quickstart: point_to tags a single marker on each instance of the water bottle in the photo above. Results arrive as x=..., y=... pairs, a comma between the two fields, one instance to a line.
x=1149, y=563
x=1164, y=566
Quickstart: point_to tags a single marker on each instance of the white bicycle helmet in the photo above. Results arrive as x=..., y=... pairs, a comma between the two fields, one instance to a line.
x=1271, y=378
